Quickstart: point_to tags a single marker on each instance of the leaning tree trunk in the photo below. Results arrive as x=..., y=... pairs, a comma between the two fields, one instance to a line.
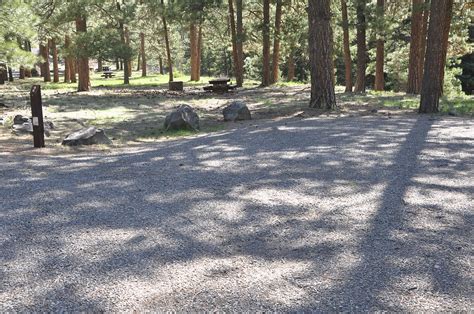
x=142, y=53
x=276, y=42
x=84, y=83
x=435, y=60
x=347, y=50
x=414, y=73
x=379, y=59
x=321, y=55
x=52, y=44
x=266, y=43
x=361, y=47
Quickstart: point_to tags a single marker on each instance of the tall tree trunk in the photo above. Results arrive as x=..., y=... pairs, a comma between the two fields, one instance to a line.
x=240, y=43
x=379, y=59
x=266, y=43
x=139, y=60
x=73, y=70
x=347, y=50
x=128, y=61
x=117, y=64
x=276, y=42
x=361, y=46
x=160, y=61
x=193, y=39
x=198, y=68
x=22, y=72
x=45, y=72
x=100, y=66
x=233, y=33
x=125, y=63
x=168, y=49
x=52, y=44
x=414, y=68
x=424, y=33
x=445, y=41
x=10, y=74
x=321, y=54
x=84, y=83
x=143, y=53
x=291, y=67
x=435, y=60
x=67, y=60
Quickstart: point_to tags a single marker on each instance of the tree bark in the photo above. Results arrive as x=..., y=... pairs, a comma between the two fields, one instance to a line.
x=240, y=43
x=84, y=83
x=67, y=60
x=276, y=42
x=52, y=44
x=100, y=66
x=424, y=32
x=73, y=70
x=361, y=47
x=380, y=55
x=198, y=68
x=414, y=69
x=167, y=44
x=445, y=41
x=193, y=40
x=22, y=72
x=143, y=53
x=347, y=50
x=321, y=54
x=45, y=72
x=233, y=33
x=266, y=43
x=10, y=74
x=160, y=61
x=128, y=61
x=291, y=67
x=435, y=60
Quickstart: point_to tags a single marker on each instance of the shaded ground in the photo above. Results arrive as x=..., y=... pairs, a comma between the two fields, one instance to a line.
x=328, y=214
x=135, y=114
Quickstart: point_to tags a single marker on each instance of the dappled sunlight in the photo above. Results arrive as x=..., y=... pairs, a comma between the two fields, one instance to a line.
x=309, y=219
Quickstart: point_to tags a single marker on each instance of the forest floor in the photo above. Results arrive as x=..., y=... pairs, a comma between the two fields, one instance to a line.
x=134, y=114
x=294, y=211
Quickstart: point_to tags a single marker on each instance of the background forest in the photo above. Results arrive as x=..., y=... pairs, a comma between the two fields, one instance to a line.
x=200, y=36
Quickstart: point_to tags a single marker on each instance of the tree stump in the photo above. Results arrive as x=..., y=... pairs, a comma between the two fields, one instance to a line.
x=176, y=86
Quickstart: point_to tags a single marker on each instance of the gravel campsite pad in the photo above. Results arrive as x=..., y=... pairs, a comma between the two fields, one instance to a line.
x=327, y=214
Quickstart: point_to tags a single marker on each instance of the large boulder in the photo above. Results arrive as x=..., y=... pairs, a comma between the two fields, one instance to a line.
x=236, y=110
x=182, y=118
x=86, y=136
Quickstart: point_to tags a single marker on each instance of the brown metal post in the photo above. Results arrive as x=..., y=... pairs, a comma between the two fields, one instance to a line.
x=37, y=116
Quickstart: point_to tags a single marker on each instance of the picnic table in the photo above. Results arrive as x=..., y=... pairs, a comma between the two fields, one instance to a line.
x=108, y=74
x=220, y=85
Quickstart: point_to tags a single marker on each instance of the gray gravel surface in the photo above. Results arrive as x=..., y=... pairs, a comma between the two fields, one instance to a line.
x=324, y=214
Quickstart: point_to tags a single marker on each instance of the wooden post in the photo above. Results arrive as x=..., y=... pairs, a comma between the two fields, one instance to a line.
x=37, y=116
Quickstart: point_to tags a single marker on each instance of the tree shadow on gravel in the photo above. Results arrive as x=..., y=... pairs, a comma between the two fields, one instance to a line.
x=318, y=214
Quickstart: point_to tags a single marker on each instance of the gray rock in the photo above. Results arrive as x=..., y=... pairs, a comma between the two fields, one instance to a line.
x=19, y=119
x=25, y=127
x=236, y=110
x=182, y=118
x=86, y=136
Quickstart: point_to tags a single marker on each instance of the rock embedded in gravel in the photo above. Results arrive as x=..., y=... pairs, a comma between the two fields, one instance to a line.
x=236, y=110
x=182, y=118
x=86, y=136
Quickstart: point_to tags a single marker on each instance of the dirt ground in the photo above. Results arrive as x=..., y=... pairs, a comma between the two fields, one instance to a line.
x=135, y=115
